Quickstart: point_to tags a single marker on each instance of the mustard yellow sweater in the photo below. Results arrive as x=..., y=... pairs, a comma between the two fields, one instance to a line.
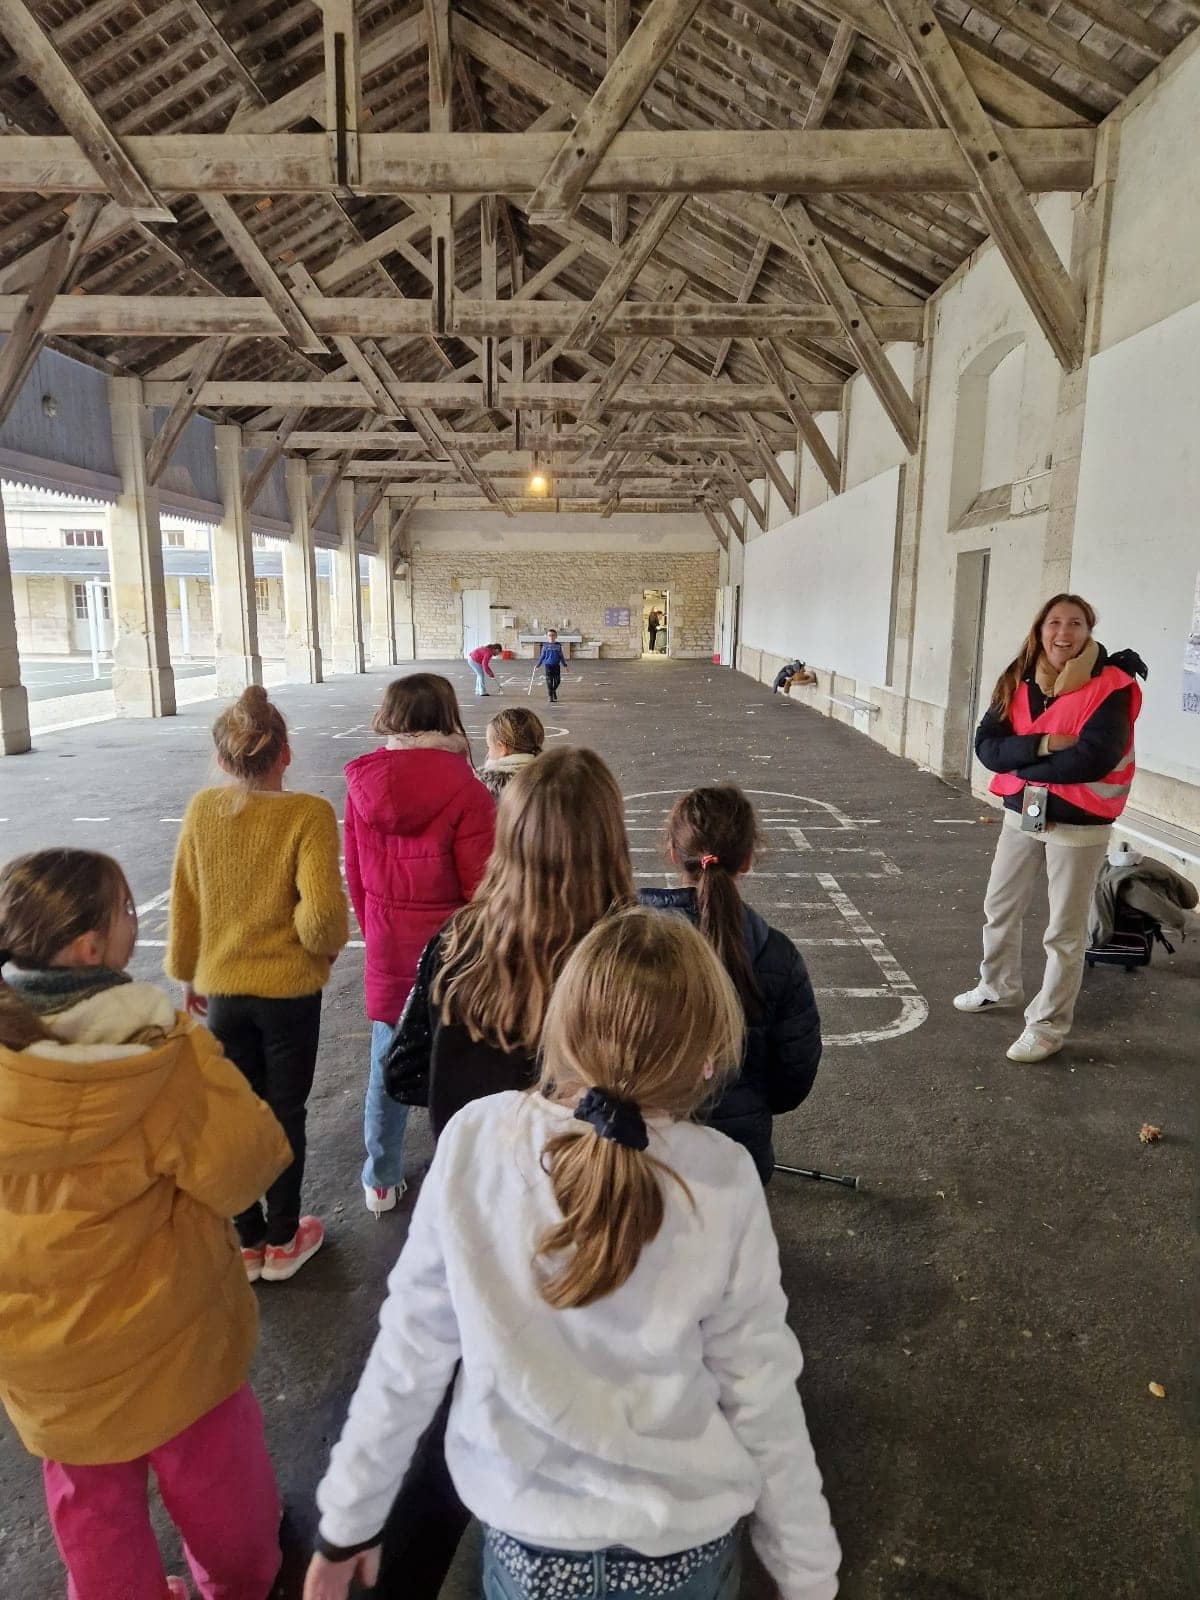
x=257, y=904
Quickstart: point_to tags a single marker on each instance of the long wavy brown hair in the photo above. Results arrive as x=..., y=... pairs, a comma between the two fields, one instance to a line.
x=560, y=863
x=1026, y=657
x=643, y=1007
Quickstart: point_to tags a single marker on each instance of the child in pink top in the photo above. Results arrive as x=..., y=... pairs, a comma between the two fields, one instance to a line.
x=481, y=664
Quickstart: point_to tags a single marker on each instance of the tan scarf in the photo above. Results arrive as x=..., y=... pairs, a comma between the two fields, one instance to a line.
x=1073, y=676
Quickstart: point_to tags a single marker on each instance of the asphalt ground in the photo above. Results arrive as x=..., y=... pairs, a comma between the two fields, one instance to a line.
x=51, y=679
x=981, y=1321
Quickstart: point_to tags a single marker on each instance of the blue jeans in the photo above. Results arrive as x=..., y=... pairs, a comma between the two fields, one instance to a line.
x=586, y=1576
x=384, y=1120
x=480, y=687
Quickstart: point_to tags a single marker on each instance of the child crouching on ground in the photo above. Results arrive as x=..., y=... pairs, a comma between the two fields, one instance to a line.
x=605, y=1271
x=127, y=1141
x=514, y=739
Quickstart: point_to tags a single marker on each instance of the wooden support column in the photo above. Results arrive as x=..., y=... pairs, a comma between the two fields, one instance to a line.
x=234, y=607
x=383, y=591
x=1000, y=195
x=14, y=699
x=343, y=88
x=626, y=81
x=302, y=645
x=441, y=214
x=346, y=609
x=143, y=681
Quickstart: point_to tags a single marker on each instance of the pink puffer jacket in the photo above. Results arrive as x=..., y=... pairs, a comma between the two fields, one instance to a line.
x=418, y=834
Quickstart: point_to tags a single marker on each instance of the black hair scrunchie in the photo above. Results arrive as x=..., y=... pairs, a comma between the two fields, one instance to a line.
x=610, y=1118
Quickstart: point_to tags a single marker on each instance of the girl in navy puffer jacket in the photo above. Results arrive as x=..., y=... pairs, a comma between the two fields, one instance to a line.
x=711, y=837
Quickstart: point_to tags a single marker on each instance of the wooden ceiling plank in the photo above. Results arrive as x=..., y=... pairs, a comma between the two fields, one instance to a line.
x=1007, y=209
x=800, y=412
x=207, y=360
x=202, y=11
x=261, y=273
x=74, y=108
x=26, y=339
x=557, y=196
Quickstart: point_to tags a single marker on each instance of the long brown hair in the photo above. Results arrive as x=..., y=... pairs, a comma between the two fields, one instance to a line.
x=1026, y=657
x=560, y=862
x=519, y=730
x=711, y=834
x=250, y=735
x=642, y=1008
x=425, y=702
x=48, y=900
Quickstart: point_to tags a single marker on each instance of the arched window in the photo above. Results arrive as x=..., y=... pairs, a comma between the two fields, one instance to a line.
x=985, y=432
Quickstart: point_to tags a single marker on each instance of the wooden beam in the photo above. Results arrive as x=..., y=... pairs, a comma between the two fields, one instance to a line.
x=872, y=358
x=628, y=357
x=363, y=519
x=719, y=534
x=1009, y=213
x=881, y=160
x=762, y=247
x=272, y=454
x=831, y=76
x=792, y=394
x=448, y=396
x=766, y=458
x=616, y=33
x=343, y=88
x=27, y=337
x=168, y=436
x=441, y=214
x=558, y=194
x=261, y=273
x=623, y=273
x=747, y=495
x=116, y=171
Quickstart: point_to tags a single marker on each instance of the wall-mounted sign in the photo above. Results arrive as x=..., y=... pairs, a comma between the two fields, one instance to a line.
x=616, y=616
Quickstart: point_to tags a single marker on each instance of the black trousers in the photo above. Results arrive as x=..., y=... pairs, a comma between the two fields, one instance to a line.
x=274, y=1044
x=553, y=679
x=653, y=632
x=426, y=1522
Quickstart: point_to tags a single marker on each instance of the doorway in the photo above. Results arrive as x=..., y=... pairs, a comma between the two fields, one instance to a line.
x=476, y=619
x=656, y=622
x=966, y=661
x=91, y=618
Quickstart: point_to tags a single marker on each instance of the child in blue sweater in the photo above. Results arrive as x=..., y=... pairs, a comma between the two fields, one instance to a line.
x=553, y=660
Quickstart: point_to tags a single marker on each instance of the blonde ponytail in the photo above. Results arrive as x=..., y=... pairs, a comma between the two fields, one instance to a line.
x=642, y=1009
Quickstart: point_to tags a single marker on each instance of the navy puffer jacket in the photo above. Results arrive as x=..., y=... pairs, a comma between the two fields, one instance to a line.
x=783, y=1047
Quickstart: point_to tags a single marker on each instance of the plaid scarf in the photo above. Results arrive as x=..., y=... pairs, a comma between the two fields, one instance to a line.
x=49, y=990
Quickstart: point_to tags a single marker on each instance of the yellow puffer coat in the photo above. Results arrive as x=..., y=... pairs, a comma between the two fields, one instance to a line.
x=125, y=1313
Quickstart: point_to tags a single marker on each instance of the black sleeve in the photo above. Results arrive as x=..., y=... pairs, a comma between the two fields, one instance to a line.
x=793, y=1037
x=1103, y=740
x=998, y=748
x=406, y=1065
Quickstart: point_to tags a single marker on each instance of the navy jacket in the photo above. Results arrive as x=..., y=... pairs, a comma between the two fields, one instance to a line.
x=783, y=1047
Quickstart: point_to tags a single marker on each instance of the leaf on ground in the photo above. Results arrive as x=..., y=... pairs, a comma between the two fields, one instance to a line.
x=1157, y=1390
x=1150, y=1134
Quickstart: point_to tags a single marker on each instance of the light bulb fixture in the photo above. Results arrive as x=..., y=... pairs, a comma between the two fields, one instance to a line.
x=538, y=484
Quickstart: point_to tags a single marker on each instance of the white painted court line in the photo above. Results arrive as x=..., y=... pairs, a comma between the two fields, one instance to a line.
x=153, y=905
x=91, y=819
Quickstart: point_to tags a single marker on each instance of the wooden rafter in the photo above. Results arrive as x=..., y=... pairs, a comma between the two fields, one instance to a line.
x=792, y=394
x=116, y=171
x=25, y=341
x=273, y=448
x=441, y=105
x=261, y=273
x=208, y=358
x=1006, y=208
x=616, y=33
x=558, y=194
x=623, y=273
x=768, y=462
x=343, y=87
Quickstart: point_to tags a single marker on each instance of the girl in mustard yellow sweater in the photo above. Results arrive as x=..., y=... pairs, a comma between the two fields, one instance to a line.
x=258, y=915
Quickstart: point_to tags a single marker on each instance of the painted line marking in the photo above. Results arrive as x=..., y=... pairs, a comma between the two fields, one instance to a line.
x=153, y=905
x=956, y=822
x=170, y=819
x=91, y=819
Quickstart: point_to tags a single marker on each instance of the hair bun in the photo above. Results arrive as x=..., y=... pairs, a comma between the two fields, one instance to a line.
x=254, y=698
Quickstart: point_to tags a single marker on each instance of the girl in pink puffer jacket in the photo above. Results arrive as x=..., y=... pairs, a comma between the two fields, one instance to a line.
x=418, y=833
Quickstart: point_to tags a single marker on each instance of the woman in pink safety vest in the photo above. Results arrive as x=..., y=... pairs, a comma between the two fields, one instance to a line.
x=1059, y=737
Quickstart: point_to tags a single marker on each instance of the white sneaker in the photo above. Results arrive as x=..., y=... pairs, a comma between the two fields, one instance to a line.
x=981, y=998
x=381, y=1200
x=1033, y=1046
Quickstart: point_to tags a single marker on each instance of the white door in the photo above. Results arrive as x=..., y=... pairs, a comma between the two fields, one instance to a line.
x=96, y=630
x=477, y=618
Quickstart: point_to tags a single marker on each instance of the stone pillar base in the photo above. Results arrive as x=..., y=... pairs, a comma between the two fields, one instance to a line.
x=143, y=691
x=235, y=673
x=15, y=738
x=303, y=665
x=349, y=658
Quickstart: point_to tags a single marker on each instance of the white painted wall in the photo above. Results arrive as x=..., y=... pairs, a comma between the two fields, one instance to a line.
x=1137, y=529
x=820, y=586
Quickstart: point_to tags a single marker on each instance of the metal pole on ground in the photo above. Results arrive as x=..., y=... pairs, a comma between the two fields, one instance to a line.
x=91, y=591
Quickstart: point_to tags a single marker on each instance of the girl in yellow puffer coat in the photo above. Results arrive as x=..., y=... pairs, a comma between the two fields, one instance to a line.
x=127, y=1324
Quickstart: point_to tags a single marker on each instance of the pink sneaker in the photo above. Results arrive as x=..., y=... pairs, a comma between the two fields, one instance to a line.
x=252, y=1260
x=285, y=1260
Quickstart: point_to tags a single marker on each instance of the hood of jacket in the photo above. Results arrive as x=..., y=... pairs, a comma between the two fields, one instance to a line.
x=683, y=901
x=403, y=791
x=62, y=1104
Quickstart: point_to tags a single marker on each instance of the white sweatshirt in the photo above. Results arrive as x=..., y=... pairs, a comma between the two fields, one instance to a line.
x=654, y=1418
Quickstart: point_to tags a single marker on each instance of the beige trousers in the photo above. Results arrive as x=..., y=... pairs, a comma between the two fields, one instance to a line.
x=1071, y=872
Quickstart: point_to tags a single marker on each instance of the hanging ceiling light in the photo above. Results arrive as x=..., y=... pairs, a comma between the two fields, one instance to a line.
x=538, y=484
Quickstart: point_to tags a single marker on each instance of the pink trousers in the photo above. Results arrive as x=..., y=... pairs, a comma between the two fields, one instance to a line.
x=217, y=1484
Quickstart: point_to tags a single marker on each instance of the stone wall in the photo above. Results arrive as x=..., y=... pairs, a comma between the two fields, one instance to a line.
x=580, y=585
x=43, y=611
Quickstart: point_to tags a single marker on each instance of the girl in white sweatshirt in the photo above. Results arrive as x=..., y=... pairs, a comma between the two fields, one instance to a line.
x=603, y=1272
